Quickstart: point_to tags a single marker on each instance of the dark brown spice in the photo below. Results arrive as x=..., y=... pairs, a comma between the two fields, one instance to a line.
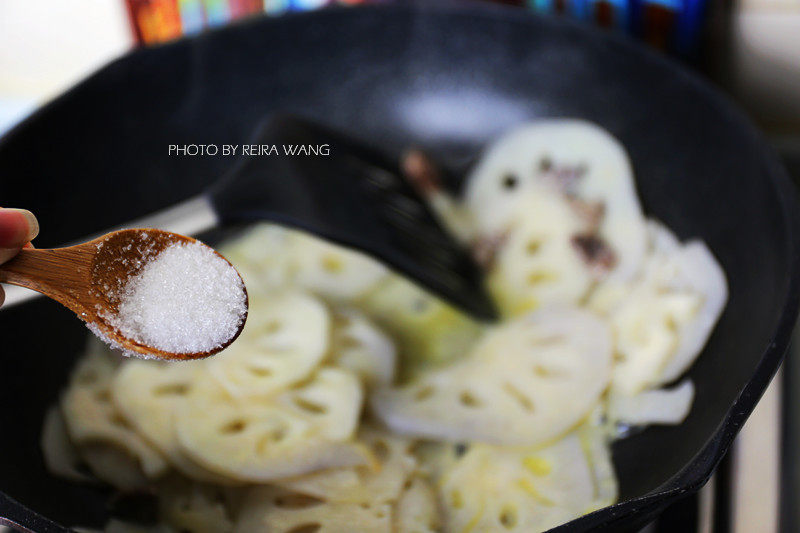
x=595, y=252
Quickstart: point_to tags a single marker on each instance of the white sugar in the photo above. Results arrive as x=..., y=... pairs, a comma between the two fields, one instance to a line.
x=186, y=299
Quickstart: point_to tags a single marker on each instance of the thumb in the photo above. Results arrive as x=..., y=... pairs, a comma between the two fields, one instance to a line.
x=17, y=228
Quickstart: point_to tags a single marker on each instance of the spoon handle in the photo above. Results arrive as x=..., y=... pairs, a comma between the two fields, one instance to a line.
x=59, y=273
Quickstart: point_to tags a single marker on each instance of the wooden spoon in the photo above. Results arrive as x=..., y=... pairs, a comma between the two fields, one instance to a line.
x=86, y=277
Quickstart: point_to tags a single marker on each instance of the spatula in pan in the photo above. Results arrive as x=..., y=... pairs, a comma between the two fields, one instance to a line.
x=354, y=196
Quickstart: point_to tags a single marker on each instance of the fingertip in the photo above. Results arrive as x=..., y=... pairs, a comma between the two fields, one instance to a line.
x=33, y=224
x=17, y=227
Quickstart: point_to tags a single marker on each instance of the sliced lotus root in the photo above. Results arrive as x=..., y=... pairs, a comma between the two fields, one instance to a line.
x=284, y=340
x=493, y=488
x=271, y=509
x=378, y=483
x=658, y=406
x=361, y=347
x=418, y=509
x=666, y=317
x=197, y=508
x=302, y=430
x=330, y=270
x=538, y=264
x=526, y=382
x=91, y=416
x=259, y=255
x=574, y=158
x=60, y=455
x=150, y=394
x=114, y=465
x=427, y=331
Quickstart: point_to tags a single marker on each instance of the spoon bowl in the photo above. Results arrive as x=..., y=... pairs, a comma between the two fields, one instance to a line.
x=89, y=278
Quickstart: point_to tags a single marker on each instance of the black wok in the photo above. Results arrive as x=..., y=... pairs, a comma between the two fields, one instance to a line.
x=449, y=79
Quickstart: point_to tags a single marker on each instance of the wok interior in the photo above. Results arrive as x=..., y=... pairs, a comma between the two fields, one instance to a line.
x=98, y=157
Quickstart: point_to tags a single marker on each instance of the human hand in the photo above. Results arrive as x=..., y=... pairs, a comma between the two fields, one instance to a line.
x=18, y=227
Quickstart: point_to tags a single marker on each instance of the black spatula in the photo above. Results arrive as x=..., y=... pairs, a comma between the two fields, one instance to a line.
x=354, y=196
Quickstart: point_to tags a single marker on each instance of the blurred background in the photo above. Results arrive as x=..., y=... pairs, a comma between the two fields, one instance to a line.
x=749, y=48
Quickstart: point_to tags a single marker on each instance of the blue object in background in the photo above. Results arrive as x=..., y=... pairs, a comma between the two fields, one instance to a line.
x=690, y=26
x=217, y=13
x=275, y=7
x=307, y=5
x=543, y=6
x=192, y=16
x=580, y=9
x=671, y=25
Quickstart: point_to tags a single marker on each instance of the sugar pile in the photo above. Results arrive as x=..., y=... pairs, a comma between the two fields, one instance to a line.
x=187, y=299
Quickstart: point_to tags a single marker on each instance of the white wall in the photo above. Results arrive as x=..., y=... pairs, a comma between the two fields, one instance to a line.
x=766, y=62
x=47, y=46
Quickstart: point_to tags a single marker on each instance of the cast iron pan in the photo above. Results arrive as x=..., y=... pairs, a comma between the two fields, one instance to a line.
x=446, y=78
